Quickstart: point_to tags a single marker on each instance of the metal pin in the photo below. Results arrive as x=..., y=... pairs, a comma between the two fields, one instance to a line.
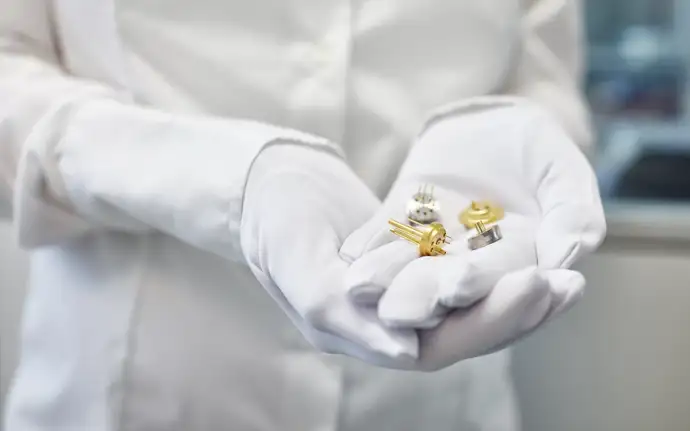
x=429, y=239
x=448, y=238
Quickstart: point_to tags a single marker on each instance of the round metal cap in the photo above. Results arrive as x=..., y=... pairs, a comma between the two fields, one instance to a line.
x=485, y=237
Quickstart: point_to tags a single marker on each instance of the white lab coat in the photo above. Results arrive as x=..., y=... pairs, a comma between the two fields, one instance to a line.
x=123, y=153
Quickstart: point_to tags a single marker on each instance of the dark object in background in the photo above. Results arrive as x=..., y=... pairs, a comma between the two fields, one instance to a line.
x=646, y=162
x=654, y=91
x=658, y=176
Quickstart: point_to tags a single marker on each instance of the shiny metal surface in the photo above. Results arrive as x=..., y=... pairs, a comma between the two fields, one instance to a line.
x=484, y=236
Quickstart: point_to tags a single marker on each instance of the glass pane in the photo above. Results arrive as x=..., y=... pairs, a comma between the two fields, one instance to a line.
x=608, y=19
x=636, y=84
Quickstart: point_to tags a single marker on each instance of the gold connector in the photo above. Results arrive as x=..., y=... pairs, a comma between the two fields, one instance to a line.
x=429, y=239
x=484, y=212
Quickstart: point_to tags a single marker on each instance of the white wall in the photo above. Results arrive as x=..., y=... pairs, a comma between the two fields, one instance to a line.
x=619, y=361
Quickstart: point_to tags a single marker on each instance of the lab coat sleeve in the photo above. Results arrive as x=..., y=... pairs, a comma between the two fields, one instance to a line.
x=77, y=155
x=546, y=70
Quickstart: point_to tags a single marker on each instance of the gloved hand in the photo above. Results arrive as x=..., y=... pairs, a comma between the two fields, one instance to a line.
x=300, y=205
x=509, y=152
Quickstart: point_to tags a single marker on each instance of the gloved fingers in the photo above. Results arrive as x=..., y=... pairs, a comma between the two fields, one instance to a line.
x=375, y=232
x=440, y=312
x=515, y=306
x=372, y=234
x=427, y=287
x=466, y=285
x=361, y=326
x=370, y=275
x=458, y=279
x=567, y=287
x=305, y=270
x=568, y=232
x=334, y=344
x=411, y=298
x=572, y=216
x=320, y=242
x=320, y=300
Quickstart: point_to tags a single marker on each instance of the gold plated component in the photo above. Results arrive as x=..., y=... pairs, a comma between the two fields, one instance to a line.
x=484, y=236
x=429, y=239
x=484, y=212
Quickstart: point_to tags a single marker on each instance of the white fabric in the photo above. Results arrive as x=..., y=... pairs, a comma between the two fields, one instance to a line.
x=107, y=164
x=519, y=159
x=294, y=226
x=123, y=149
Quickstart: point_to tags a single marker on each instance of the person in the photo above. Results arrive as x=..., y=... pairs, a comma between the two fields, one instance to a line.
x=199, y=182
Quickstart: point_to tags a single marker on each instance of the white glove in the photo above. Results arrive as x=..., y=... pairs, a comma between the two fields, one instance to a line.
x=300, y=205
x=510, y=152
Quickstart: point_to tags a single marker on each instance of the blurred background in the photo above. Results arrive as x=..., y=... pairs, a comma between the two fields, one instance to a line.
x=621, y=359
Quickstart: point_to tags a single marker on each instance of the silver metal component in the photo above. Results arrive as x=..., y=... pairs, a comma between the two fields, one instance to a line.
x=484, y=236
x=423, y=208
